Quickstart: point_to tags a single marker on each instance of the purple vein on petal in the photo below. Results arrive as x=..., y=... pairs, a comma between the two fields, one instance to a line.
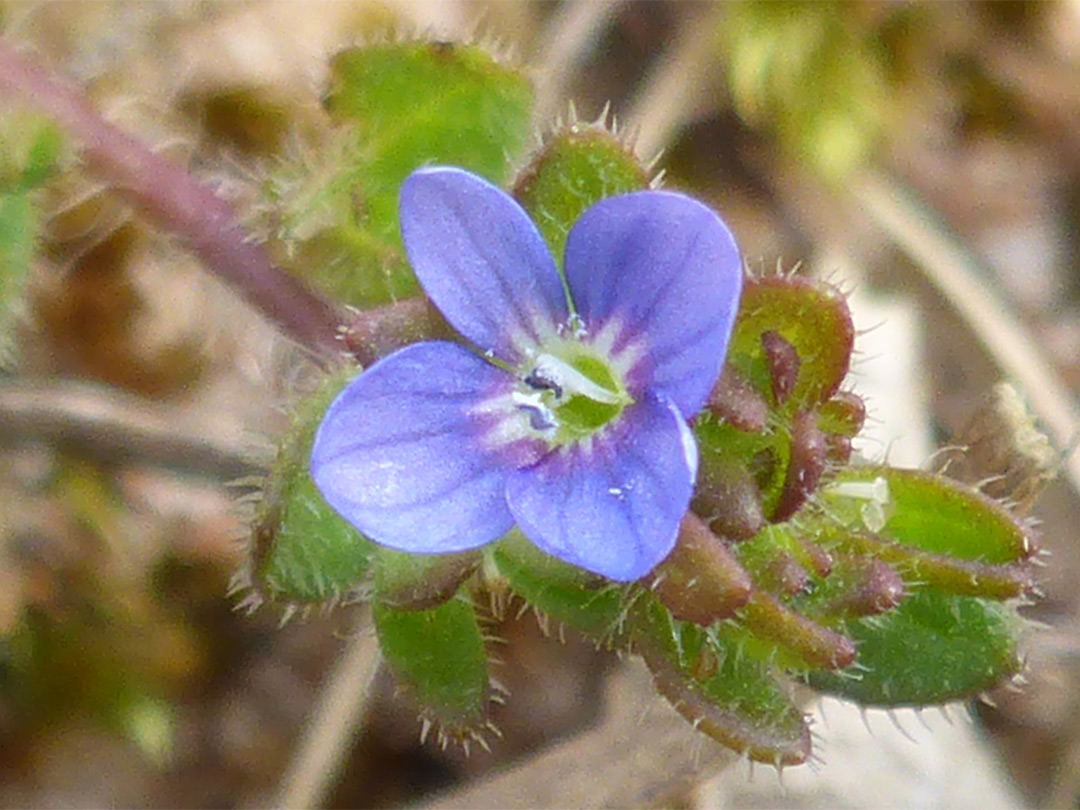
x=611, y=505
x=481, y=261
x=666, y=270
x=400, y=453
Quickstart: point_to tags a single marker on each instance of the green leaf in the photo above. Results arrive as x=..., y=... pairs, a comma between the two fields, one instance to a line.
x=724, y=693
x=418, y=102
x=400, y=106
x=932, y=649
x=575, y=168
x=929, y=512
x=438, y=657
x=563, y=592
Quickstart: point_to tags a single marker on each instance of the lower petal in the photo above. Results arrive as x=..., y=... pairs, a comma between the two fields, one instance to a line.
x=612, y=505
x=403, y=455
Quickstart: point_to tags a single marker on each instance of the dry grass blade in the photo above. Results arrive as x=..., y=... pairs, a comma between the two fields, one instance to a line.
x=109, y=424
x=574, y=31
x=955, y=273
x=335, y=722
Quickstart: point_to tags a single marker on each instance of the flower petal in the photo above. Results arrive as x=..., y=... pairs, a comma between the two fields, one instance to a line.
x=401, y=453
x=481, y=261
x=612, y=506
x=657, y=276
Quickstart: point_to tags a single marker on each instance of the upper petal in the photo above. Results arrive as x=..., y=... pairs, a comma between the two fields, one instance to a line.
x=402, y=452
x=656, y=277
x=480, y=260
x=612, y=506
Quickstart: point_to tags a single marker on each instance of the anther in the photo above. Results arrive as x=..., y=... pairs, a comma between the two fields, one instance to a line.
x=538, y=381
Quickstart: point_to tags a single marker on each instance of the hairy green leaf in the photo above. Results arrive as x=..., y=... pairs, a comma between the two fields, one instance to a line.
x=931, y=649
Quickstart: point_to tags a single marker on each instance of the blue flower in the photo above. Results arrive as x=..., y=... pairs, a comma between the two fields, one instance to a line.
x=568, y=414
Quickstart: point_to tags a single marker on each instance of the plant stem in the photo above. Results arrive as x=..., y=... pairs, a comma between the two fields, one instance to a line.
x=176, y=202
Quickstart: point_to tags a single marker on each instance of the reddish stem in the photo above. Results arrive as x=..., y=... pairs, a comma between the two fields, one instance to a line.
x=173, y=199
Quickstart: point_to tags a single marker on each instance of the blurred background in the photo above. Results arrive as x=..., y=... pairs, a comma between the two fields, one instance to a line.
x=924, y=157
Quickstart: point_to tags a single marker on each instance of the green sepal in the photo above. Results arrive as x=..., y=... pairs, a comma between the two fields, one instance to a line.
x=438, y=659
x=575, y=168
x=302, y=551
x=929, y=512
x=813, y=318
x=931, y=649
x=760, y=552
x=856, y=586
x=563, y=592
x=419, y=581
x=923, y=570
x=730, y=696
x=741, y=475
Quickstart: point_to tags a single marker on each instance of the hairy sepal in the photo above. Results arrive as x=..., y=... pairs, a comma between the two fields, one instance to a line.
x=723, y=693
x=439, y=661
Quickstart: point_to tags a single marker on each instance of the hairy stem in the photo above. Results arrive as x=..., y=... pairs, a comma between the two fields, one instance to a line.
x=172, y=198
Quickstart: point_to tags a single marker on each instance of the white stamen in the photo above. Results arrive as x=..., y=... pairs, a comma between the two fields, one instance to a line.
x=874, y=495
x=572, y=381
x=876, y=490
x=541, y=417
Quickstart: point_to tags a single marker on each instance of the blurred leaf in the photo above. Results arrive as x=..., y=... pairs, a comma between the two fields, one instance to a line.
x=151, y=726
x=813, y=75
x=30, y=151
x=18, y=238
x=42, y=157
x=402, y=106
x=29, y=154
